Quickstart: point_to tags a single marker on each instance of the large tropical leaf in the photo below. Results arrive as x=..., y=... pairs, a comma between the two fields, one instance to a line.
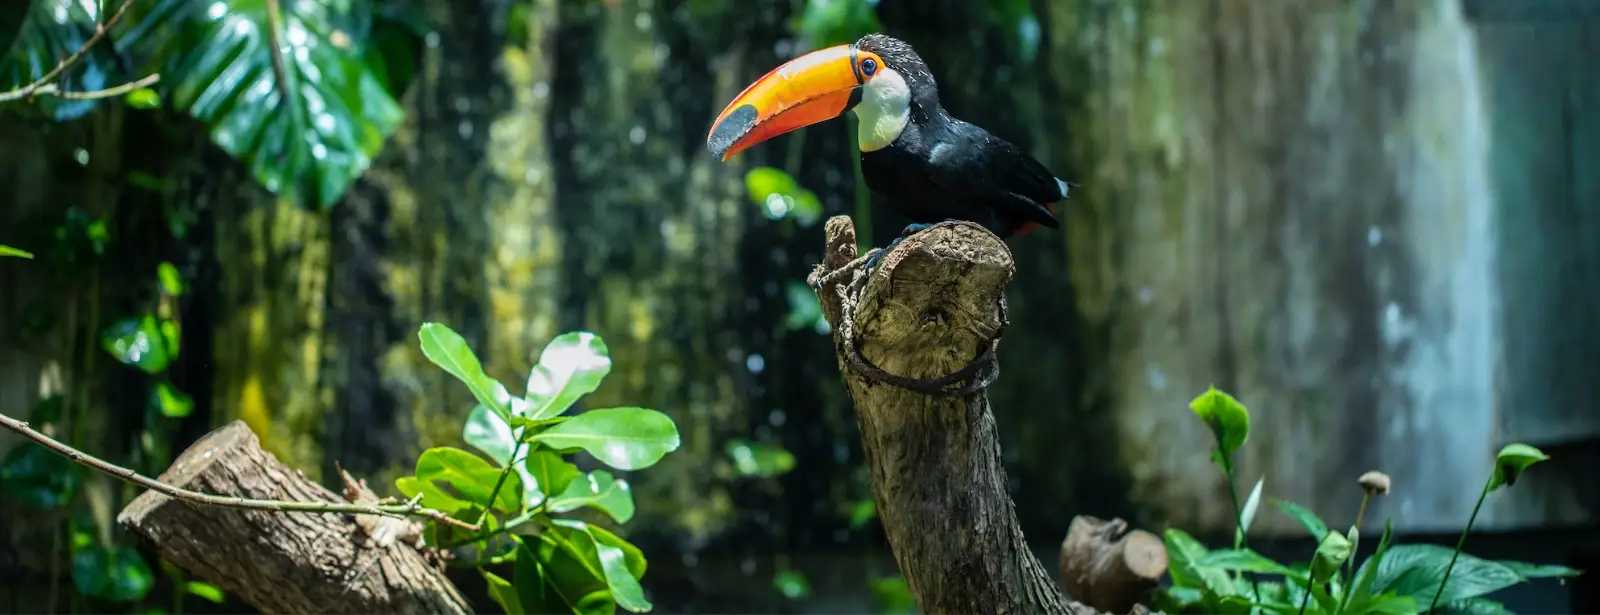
x=284, y=85
x=36, y=36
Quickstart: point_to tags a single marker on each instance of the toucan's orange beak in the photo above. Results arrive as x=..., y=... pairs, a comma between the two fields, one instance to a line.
x=812, y=88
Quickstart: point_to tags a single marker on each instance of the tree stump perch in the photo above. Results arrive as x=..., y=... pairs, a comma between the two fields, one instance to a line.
x=283, y=562
x=1107, y=569
x=931, y=307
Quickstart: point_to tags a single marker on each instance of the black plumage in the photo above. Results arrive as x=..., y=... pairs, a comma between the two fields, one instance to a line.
x=942, y=168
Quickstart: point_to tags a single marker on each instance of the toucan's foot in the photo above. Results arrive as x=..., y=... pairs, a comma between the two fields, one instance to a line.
x=912, y=229
x=872, y=261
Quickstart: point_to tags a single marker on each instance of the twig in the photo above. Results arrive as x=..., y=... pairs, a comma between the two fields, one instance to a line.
x=401, y=511
x=46, y=86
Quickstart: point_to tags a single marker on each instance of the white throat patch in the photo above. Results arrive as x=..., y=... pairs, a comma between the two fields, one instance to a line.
x=884, y=110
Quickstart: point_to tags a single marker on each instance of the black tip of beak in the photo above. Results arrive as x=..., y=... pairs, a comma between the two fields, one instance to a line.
x=725, y=134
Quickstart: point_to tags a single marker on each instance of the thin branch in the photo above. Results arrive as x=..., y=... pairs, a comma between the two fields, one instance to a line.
x=46, y=86
x=50, y=89
x=398, y=511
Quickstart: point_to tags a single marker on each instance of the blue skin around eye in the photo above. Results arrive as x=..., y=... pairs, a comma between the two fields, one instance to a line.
x=869, y=66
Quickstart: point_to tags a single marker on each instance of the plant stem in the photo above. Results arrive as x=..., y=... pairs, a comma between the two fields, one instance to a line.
x=45, y=85
x=1355, y=545
x=504, y=472
x=1239, y=540
x=1461, y=542
x=1307, y=597
x=401, y=511
x=510, y=524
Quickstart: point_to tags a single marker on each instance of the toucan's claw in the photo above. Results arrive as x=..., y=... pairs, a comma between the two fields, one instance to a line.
x=912, y=229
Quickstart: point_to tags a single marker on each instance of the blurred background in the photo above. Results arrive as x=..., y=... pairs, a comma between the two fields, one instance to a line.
x=1377, y=223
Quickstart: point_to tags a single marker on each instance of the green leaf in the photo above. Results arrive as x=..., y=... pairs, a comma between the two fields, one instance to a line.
x=1416, y=571
x=1307, y=519
x=6, y=250
x=604, y=561
x=34, y=476
x=825, y=23
x=448, y=350
x=1511, y=461
x=805, y=311
x=140, y=342
x=792, y=584
x=172, y=403
x=142, y=98
x=1470, y=606
x=631, y=554
x=467, y=477
x=779, y=196
x=432, y=497
x=1331, y=553
x=572, y=573
x=206, y=591
x=50, y=31
x=504, y=593
x=571, y=366
x=892, y=596
x=863, y=512
x=117, y=575
x=282, y=86
x=1228, y=419
x=487, y=432
x=1183, y=551
x=1244, y=560
x=534, y=592
x=1528, y=570
x=549, y=471
x=751, y=459
x=623, y=438
x=171, y=280
x=1247, y=513
x=597, y=490
x=1361, y=587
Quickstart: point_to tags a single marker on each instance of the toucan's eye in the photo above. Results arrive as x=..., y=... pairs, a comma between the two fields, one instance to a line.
x=869, y=66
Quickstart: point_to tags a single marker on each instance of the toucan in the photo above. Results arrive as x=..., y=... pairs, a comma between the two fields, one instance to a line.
x=923, y=163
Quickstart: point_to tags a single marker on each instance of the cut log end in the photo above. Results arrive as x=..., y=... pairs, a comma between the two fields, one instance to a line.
x=1107, y=569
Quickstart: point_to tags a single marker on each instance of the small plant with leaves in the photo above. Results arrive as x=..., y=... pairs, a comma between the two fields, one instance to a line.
x=559, y=564
x=1397, y=578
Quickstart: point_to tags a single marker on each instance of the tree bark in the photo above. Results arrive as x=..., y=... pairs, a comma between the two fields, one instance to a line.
x=927, y=309
x=1107, y=569
x=282, y=562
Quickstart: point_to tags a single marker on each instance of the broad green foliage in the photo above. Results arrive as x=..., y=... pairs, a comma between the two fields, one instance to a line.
x=758, y=460
x=117, y=574
x=781, y=197
x=50, y=31
x=143, y=342
x=291, y=93
x=1396, y=579
x=565, y=565
x=825, y=23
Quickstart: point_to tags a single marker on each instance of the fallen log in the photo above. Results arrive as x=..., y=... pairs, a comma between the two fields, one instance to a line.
x=285, y=562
